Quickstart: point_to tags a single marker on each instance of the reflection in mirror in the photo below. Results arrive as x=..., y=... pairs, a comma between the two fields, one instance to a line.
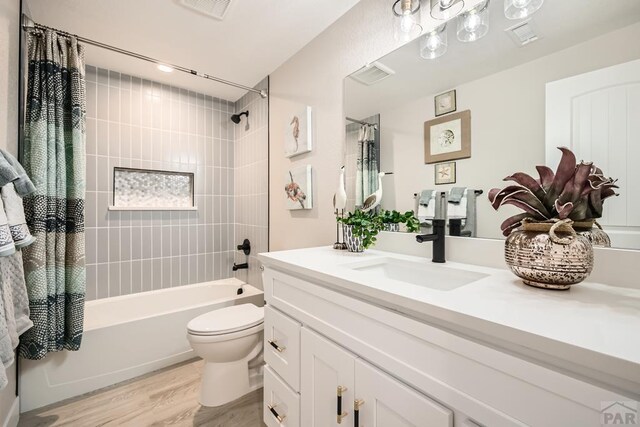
x=569, y=75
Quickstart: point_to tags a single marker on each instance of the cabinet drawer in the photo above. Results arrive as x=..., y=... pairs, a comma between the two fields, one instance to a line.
x=282, y=346
x=281, y=404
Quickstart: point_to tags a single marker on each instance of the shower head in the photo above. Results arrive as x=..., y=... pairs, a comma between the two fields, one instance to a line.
x=236, y=117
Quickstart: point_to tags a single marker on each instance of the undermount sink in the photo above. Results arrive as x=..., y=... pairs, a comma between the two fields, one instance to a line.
x=425, y=274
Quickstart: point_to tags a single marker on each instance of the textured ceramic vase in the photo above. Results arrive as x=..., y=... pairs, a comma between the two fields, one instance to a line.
x=353, y=241
x=594, y=233
x=549, y=255
x=390, y=226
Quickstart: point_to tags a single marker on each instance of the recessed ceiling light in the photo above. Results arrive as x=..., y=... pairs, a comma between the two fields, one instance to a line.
x=165, y=68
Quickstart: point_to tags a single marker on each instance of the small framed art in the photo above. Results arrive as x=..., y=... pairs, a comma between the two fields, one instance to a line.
x=445, y=103
x=298, y=188
x=447, y=138
x=445, y=173
x=298, y=133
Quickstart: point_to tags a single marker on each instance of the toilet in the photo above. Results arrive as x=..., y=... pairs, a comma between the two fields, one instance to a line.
x=230, y=342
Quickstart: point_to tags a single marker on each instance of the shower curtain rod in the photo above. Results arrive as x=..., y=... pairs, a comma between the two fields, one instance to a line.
x=375, y=125
x=29, y=25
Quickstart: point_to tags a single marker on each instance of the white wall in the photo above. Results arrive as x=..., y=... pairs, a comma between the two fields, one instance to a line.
x=9, y=53
x=314, y=76
x=507, y=125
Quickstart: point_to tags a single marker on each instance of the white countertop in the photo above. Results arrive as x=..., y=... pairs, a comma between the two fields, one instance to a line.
x=592, y=329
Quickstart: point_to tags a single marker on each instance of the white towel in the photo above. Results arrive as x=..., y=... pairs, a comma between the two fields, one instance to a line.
x=15, y=216
x=427, y=213
x=458, y=210
x=7, y=246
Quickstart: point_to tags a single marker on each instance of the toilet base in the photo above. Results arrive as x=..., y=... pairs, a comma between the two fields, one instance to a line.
x=225, y=382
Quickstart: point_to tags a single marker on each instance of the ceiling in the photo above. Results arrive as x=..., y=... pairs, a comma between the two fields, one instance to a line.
x=561, y=23
x=253, y=40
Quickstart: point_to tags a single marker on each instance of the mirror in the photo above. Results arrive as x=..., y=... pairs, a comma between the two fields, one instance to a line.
x=567, y=76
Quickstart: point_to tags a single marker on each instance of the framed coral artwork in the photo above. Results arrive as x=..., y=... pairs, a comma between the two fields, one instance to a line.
x=298, y=188
x=298, y=133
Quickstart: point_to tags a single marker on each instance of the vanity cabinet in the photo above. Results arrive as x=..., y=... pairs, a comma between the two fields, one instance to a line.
x=406, y=372
x=336, y=385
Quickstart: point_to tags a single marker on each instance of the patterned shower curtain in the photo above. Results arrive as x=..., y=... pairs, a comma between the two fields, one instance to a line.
x=54, y=158
x=367, y=165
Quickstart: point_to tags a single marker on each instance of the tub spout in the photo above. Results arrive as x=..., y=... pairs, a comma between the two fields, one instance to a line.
x=237, y=267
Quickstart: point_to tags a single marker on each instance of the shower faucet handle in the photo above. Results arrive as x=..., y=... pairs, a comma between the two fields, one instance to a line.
x=245, y=247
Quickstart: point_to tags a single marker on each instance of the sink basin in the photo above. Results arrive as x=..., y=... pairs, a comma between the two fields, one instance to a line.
x=425, y=274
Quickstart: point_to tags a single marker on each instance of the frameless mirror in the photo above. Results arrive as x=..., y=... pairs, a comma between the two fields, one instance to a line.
x=458, y=124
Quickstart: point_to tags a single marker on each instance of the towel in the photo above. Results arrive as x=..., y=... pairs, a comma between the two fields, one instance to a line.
x=14, y=310
x=457, y=203
x=456, y=194
x=15, y=216
x=12, y=171
x=12, y=278
x=7, y=246
x=426, y=206
x=425, y=197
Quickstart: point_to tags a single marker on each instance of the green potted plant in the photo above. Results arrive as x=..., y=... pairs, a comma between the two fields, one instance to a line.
x=542, y=245
x=391, y=220
x=360, y=229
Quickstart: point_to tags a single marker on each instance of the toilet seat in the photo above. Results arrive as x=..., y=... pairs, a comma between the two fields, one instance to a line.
x=227, y=320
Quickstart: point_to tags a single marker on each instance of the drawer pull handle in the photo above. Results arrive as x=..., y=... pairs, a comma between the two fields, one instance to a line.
x=341, y=414
x=356, y=411
x=279, y=417
x=276, y=346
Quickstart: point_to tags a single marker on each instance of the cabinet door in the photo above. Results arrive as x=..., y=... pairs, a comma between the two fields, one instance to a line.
x=325, y=367
x=388, y=403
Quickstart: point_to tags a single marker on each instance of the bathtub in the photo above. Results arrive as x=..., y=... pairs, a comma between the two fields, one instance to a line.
x=125, y=337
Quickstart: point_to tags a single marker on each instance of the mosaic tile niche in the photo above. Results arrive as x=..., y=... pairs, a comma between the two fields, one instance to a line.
x=140, y=189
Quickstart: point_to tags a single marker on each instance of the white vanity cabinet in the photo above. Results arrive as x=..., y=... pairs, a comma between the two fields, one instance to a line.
x=333, y=378
x=405, y=372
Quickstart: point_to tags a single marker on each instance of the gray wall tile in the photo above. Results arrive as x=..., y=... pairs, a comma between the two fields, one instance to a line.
x=143, y=124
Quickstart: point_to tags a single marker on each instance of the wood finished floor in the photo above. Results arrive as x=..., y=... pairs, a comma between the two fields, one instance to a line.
x=164, y=398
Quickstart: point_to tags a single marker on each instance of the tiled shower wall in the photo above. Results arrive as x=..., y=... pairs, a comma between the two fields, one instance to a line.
x=252, y=181
x=143, y=124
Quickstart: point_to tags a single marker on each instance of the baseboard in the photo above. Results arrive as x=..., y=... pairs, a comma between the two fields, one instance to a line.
x=13, y=416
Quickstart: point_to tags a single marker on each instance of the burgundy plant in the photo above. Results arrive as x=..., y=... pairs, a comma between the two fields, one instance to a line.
x=575, y=191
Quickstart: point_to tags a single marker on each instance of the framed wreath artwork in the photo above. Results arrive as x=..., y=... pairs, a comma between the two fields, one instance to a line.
x=447, y=138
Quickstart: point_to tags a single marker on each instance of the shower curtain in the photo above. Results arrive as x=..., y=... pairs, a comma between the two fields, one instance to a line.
x=367, y=165
x=54, y=158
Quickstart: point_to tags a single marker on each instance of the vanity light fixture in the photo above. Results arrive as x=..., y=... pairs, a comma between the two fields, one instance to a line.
x=406, y=25
x=434, y=43
x=520, y=9
x=165, y=68
x=444, y=10
x=474, y=24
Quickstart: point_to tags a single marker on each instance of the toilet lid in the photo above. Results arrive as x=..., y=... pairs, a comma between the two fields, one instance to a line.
x=226, y=320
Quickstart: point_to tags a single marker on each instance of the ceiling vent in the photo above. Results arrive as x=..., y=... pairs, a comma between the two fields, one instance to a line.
x=213, y=8
x=372, y=73
x=523, y=33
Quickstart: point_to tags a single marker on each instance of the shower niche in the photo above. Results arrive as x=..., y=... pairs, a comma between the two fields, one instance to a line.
x=149, y=190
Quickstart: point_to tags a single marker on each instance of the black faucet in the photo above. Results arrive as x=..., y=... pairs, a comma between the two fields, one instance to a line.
x=437, y=237
x=455, y=228
x=237, y=267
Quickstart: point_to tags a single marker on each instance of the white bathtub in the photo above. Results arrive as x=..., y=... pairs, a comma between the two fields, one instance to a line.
x=125, y=337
